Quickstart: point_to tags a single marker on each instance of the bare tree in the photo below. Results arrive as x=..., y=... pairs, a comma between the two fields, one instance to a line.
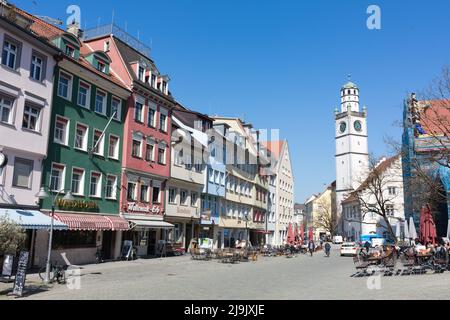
x=326, y=218
x=373, y=196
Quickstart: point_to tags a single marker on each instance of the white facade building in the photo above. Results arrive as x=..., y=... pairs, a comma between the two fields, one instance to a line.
x=352, y=155
x=283, y=186
x=358, y=221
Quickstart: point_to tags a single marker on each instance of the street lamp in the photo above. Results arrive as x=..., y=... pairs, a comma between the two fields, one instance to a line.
x=43, y=195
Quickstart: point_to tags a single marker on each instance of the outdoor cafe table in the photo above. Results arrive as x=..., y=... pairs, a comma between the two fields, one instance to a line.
x=374, y=260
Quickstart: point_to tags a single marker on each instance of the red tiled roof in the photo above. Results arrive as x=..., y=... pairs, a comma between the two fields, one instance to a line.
x=48, y=32
x=435, y=117
x=274, y=147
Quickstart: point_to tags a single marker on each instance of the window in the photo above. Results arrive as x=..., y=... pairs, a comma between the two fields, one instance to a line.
x=172, y=195
x=136, y=148
x=149, y=152
x=198, y=165
x=138, y=111
x=161, y=155
x=113, y=151
x=390, y=210
x=57, y=177
x=392, y=191
x=131, y=191
x=64, y=85
x=98, y=143
x=116, y=106
x=183, y=197
x=111, y=186
x=31, y=118
x=95, y=185
x=101, y=66
x=194, y=198
x=141, y=73
x=81, y=137
x=100, y=102
x=153, y=81
x=6, y=109
x=70, y=51
x=179, y=157
x=163, y=122
x=155, y=196
x=144, y=193
x=61, y=127
x=77, y=187
x=37, y=70
x=211, y=175
x=11, y=54
x=164, y=87
x=151, y=117
x=23, y=169
x=84, y=93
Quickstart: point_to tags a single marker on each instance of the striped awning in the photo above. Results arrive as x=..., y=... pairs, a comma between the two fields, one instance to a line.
x=31, y=219
x=92, y=222
x=118, y=223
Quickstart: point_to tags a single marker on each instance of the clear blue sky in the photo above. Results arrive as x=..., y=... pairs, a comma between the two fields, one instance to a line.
x=280, y=64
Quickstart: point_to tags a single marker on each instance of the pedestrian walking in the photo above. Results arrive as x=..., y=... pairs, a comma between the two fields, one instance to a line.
x=311, y=247
x=327, y=249
x=367, y=246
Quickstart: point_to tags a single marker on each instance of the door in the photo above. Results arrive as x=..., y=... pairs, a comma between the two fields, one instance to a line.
x=151, y=243
x=107, y=244
x=188, y=235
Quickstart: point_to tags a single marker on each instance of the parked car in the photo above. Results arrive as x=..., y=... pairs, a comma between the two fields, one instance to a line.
x=349, y=249
x=338, y=240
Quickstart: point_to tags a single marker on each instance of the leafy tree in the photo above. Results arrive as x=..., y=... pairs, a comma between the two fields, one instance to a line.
x=12, y=236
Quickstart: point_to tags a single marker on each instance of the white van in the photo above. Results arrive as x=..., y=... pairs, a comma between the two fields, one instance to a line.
x=338, y=240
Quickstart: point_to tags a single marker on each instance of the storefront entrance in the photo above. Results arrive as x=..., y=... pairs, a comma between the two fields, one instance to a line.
x=151, y=243
x=108, y=242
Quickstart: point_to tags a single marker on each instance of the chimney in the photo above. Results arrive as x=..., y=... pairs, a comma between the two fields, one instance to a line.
x=74, y=28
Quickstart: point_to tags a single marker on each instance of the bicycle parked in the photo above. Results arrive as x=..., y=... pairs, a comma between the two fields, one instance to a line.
x=99, y=255
x=57, y=272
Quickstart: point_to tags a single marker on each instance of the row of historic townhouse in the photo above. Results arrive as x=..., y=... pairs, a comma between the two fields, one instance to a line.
x=90, y=133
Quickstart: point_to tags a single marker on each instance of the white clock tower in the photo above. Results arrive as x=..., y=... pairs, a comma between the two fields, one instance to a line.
x=352, y=154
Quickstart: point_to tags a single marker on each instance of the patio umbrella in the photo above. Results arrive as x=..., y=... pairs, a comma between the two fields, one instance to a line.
x=397, y=230
x=405, y=231
x=295, y=232
x=310, y=234
x=290, y=234
x=427, y=226
x=412, y=229
x=302, y=232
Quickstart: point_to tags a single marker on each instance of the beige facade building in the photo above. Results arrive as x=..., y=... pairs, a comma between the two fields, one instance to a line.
x=246, y=198
x=320, y=212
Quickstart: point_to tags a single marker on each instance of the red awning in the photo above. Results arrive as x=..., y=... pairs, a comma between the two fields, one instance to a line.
x=118, y=223
x=92, y=222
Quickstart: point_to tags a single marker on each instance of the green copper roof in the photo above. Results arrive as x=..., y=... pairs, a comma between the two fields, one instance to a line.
x=350, y=85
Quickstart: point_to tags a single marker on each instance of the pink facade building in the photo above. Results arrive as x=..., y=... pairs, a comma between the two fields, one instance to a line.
x=147, y=134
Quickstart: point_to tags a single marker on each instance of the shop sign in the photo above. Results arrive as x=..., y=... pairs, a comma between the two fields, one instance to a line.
x=184, y=211
x=76, y=204
x=135, y=207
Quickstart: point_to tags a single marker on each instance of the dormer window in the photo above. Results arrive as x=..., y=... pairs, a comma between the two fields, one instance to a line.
x=101, y=66
x=164, y=87
x=153, y=81
x=141, y=73
x=70, y=51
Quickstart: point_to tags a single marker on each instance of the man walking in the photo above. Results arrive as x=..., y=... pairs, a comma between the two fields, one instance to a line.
x=327, y=249
x=311, y=247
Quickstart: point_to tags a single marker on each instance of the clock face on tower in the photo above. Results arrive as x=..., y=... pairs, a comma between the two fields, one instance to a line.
x=342, y=127
x=358, y=126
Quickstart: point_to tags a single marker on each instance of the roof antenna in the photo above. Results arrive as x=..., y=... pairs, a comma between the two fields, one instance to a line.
x=112, y=18
x=349, y=77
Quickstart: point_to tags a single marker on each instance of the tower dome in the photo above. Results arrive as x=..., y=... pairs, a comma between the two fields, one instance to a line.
x=349, y=97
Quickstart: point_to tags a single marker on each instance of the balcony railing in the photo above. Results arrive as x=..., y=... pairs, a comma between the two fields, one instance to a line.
x=112, y=29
